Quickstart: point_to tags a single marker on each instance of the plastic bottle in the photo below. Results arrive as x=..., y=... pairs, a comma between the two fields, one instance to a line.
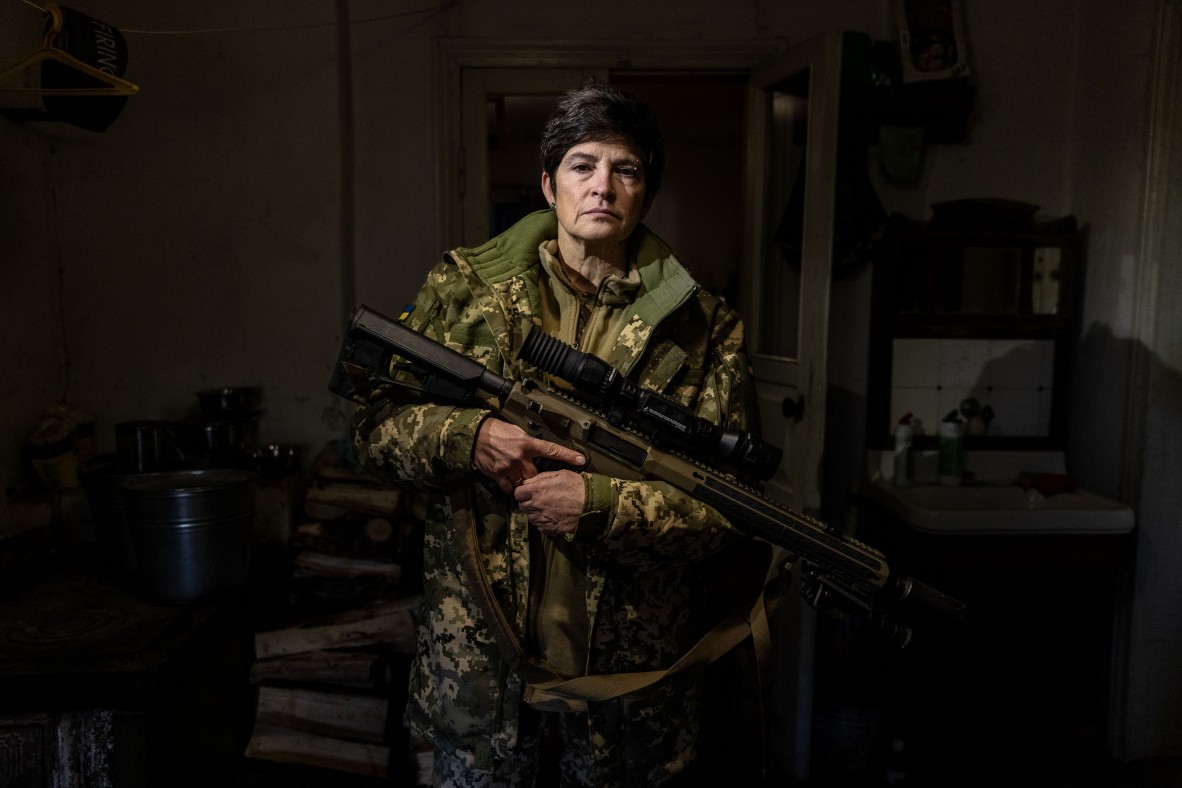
x=903, y=461
x=896, y=765
x=951, y=461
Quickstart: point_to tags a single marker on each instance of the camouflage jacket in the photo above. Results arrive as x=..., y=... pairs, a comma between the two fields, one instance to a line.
x=643, y=540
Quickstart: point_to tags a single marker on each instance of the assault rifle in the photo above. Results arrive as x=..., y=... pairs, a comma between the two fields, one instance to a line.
x=629, y=433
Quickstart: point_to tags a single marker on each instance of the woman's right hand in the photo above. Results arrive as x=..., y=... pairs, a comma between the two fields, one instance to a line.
x=505, y=453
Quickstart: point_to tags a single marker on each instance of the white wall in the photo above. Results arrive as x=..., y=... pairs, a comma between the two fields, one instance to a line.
x=259, y=186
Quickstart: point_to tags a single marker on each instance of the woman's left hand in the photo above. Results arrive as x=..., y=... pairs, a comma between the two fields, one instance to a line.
x=552, y=501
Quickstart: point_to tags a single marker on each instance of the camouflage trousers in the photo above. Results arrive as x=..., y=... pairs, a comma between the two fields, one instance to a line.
x=553, y=749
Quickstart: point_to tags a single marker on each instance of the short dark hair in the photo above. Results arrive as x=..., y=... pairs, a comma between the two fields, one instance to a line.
x=595, y=112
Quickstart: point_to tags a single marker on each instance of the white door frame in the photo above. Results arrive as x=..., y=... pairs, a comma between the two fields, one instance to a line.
x=807, y=371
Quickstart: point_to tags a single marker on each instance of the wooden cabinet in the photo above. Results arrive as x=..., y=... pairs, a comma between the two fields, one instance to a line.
x=1016, y=694
x=986, y=275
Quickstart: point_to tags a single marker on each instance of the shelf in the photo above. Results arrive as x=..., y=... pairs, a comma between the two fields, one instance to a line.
x=875, y=95
x=924, y=326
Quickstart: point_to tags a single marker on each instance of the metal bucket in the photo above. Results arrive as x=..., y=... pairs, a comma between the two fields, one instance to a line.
x=192, y=532
x=218, y=444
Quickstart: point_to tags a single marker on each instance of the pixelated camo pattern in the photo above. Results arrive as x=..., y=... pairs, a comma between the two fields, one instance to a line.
x=518, y=769
x=639, y=568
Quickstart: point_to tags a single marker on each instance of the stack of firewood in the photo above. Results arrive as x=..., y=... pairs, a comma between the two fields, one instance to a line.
x=331, y=684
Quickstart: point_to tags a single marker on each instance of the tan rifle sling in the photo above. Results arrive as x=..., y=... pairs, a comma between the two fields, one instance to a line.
x=547, y=690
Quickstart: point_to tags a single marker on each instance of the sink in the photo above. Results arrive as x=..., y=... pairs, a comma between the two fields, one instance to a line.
x=996, y=504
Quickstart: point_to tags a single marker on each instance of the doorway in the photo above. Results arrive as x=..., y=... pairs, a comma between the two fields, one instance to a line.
x=714, y=103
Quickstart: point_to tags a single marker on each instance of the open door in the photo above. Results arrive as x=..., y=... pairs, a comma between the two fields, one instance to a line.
x=792, y=172
x=793, y=110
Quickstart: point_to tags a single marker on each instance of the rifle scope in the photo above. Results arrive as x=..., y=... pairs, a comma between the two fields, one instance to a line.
x=670, y=423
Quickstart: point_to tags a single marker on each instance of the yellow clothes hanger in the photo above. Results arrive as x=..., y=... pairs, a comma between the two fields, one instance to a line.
x=118, y=85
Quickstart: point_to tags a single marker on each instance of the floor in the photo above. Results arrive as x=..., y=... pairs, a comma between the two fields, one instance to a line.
x=1151, y=773
x=1147, y=773
x=263, y=774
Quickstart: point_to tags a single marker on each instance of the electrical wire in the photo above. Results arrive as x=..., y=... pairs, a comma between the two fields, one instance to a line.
x=275, y=28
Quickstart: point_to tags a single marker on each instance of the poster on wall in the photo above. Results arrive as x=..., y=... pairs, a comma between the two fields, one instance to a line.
x=932, y=40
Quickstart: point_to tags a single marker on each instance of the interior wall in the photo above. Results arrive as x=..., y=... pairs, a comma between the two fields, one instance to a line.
x=394, y=137
x=1107, y=167
x=33, y=353
x=207, y=237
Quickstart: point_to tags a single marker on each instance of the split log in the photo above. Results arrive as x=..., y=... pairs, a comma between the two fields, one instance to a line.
x=341, y=715
x=316, y=563
x=339, y=473
x=359, y=669
x=309, y=749
x=374, y=610
x=378, y=530
x=368, y=498
x=392, y=623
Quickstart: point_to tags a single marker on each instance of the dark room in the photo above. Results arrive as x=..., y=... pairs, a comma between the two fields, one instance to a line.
x=466, y=393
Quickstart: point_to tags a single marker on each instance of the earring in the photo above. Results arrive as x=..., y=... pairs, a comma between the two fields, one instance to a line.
x=551, y=204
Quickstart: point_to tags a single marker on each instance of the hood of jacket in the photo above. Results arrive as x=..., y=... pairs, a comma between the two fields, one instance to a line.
x=506, y=268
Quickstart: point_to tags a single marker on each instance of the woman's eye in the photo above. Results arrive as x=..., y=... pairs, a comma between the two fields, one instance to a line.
x=629, y=172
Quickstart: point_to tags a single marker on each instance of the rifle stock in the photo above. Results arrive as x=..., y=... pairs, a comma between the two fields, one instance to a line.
x=835, y=568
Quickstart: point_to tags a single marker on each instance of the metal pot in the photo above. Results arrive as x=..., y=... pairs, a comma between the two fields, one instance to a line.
x=229, y=403
x=191, y=531
x=146, y=445
x=220, y=443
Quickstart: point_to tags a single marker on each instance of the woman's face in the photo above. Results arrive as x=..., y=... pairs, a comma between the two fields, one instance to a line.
x=598, y=192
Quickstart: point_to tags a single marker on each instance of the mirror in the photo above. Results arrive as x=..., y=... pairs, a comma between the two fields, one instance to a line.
x=990, y=280
x=778, y=333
